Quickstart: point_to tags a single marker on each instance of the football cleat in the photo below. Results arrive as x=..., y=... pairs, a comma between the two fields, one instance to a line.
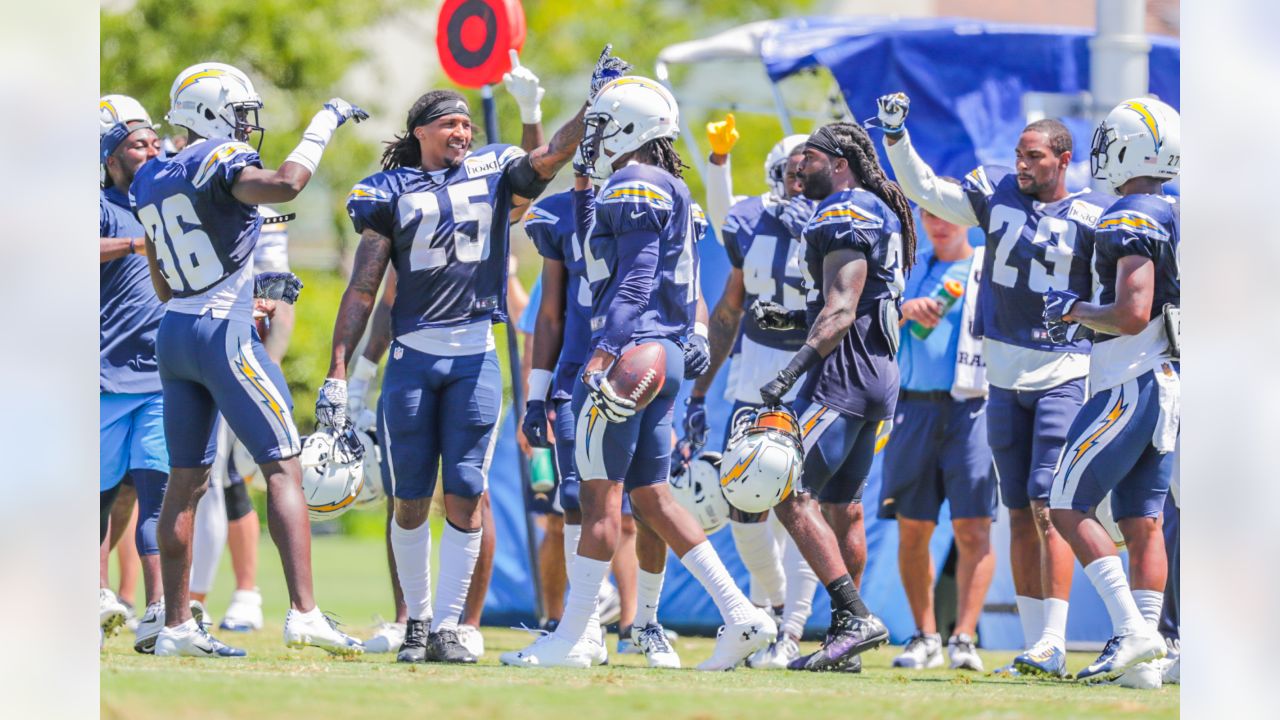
x=386, y=639
x=152, y=623
x=1007, y=671
x=847, y=637
x=1143, y=676
x=1172, y=668
x=777, y=656
x=190, y=639
x=923, y=651
x=963, y=653
x=652, y=639
x=244, y=613
x=551, y=650
x=112, y=614
x=316, y=629
x=413, y=647
x=471, y=639
x=130, y=616
x=443, y=646
x=202, y=615
x=738, y=641
x=608, y=604
x=1121, y=653
x=852, y=666
x=1044, y=659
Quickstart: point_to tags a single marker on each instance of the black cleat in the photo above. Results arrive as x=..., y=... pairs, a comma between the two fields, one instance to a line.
x=443, y=646
x=853, y=665
x=414, y=649
x=847, y=637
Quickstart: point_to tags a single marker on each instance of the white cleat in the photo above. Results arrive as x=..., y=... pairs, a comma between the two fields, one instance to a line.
x=608, y=604
x=963, y=653
x=551, y=650
x=1121, y=653
x=922, y=652
x=315, y=629
x=191, y=640
x=657, y=648
x=776, y=656
x=471, y=639
x=1171, y=670
x=1143, y=676
x=152, y=623
x=736, y=642
x=244, y=613
x=112, y=614
x=388, y=639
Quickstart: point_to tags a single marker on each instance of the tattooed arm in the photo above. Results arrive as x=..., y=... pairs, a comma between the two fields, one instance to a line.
x=372, y=257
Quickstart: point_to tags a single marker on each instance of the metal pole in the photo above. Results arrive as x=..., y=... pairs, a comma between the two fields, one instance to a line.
x=1119, y=62
x=517, y=392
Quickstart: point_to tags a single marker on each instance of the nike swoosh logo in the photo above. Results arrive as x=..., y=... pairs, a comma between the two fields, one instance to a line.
x=976, y=413
x=846, y=232
x=637, y=214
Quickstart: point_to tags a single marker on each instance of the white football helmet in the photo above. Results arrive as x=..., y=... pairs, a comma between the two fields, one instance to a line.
x=245, y=467
x=1141, y=137
x=114, y=109
x=371, y=490
x=627, y=113
x=775, y=163
x=214, y=100
x=697, y=489
x=763, y=460
x=332, y=473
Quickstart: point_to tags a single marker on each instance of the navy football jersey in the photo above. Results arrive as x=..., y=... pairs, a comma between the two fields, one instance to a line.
x=1031, y=247
x=129, y=311
x=1146, y=226
x=550, y=224
x=642, y=215
x=859, y=377
x=771, y=261
x=448, y=232
x=202, y=233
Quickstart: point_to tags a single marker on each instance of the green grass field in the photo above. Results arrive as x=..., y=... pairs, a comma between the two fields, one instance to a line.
x=351, y=581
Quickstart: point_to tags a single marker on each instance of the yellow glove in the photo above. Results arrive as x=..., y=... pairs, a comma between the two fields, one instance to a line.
x=722, y=135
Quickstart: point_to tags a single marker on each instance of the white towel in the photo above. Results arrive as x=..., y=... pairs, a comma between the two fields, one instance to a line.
x=971, y=371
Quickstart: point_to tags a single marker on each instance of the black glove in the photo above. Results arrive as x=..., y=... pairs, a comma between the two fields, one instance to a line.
x=771, y=394
x=608, y=68
x=534, y=426
x=697, y=357
x=772, y=316
x=695, y=423
x=277, y=286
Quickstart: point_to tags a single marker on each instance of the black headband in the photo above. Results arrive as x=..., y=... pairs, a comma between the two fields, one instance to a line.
x=824, y=139
x=438, y=109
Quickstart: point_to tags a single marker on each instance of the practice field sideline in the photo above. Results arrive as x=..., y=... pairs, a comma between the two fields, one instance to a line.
x=351, y=580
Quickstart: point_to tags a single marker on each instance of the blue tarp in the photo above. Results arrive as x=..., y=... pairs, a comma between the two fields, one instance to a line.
x=966, y=80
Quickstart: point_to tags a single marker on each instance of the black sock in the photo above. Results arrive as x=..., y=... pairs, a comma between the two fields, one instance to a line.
x=845, y=596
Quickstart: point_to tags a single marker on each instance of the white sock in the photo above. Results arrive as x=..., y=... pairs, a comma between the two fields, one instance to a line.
x=209, y=536
x=412, y=549
x=1031, y=613
x=760, y=555
x=1107, y=575
x=585, y=578
x=648, y=590
x=458, y=553
x=1150, y=603
x=802, y=582
x=705, y=565
x=572, y=534
x=1055, y=622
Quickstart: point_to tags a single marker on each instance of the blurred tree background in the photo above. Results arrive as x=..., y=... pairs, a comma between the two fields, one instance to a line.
x=380, y=54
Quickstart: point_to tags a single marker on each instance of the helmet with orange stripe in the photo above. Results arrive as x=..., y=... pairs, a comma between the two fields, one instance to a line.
x=763, y=459
x=332, y=472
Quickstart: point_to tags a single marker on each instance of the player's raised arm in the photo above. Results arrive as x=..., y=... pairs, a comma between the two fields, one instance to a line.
x=722, y=136
x=917, y=179
x=257, y=186
x=527, y=91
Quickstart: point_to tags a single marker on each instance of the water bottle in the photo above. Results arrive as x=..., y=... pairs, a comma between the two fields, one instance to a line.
x=947, y=294
x=542, y=471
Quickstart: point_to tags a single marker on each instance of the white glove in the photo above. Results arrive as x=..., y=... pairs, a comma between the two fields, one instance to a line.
x=345, y=111
x=525, y=89
x=893, y=112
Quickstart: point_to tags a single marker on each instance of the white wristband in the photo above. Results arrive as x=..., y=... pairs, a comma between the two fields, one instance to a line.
x=314, y=140
x=539, y=384
x=700, y=329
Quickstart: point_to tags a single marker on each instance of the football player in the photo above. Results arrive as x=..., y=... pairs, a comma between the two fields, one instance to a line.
x=1037, y=238
x=131, y=403
x=857, y=245
x=199, y=211
x=762, y=236
x=1124, y=439
x=642, y=268
x=438, y=213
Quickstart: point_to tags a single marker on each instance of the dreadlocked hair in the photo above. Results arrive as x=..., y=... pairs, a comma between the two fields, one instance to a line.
x=861, y=154
x=662, y=153
x=404, y=151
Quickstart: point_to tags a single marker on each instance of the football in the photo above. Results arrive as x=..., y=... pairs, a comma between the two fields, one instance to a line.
x=638, y=375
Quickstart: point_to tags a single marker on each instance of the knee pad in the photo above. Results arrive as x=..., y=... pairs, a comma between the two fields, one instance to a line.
x=238, y=502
